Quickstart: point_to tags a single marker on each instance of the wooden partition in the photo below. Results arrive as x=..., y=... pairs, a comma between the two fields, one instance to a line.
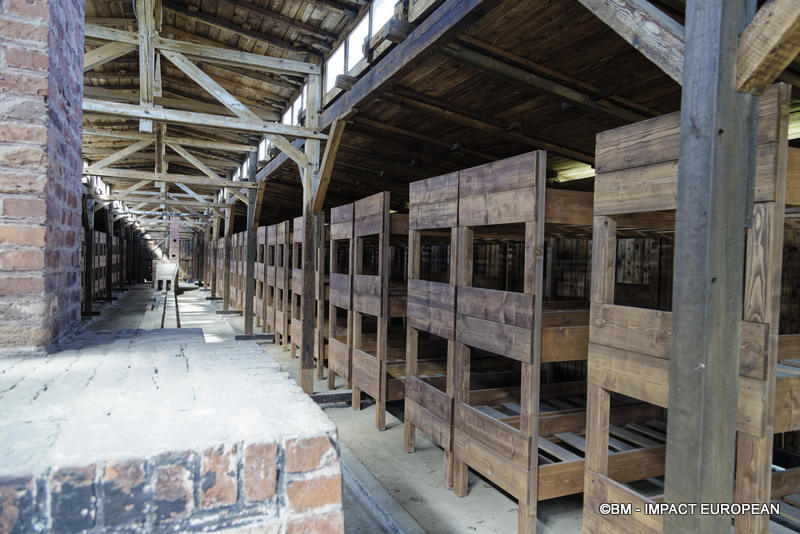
x=340, y=296
x=283, y=269
x=431, y=310
x=378, y=354
x=270, y=292
x=237, y=266
x=220, y=271
x=259, y=269
x=100, y=266
x=629, y=351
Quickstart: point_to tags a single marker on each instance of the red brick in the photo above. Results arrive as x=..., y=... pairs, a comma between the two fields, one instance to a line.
x=21, y=260
x=260, y=471
x=13, y=182
x=313, y=493
x=21, y=156
x=332, y=523
x=30, y=84
x=31, y=236
x=308, y=454
x=124, y=492
x=174, y=492
x=218, y=478
x=26, y=58
x=20, y=132
x=29, y=8
x=21, y=285
x=73, y=499
x=24, y=207
x=12, y=29
x=16, y=504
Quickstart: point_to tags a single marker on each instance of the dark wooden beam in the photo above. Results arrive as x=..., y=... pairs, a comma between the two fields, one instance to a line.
x=291, y=48
x=435, y=30
x=253, y=204
x=289, y=21
x=344, y=8
x=442, y=109
x=717, y=145
x=511, y=73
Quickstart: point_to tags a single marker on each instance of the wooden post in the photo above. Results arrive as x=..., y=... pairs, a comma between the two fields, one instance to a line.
x=717, y=143
x=310, y=175
x=88, y=254
x=226, y=267
x=109, y=255
x=252, y=226
x=319, y=242
x=214, y=240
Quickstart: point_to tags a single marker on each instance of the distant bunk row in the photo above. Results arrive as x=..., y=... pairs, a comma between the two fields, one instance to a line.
x=527, y=328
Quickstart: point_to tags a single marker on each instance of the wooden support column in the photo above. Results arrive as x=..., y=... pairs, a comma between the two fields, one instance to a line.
x=109, y=255
x=310, y=176
x=88, y=255
x=250, y=265
x=226, y=267
x=319, y=247
x=717, y=145
x=214, y=256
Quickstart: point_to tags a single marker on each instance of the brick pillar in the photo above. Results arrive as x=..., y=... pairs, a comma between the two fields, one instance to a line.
x=41, y=86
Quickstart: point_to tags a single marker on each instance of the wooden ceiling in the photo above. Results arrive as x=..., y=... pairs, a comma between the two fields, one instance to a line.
x=478, y=98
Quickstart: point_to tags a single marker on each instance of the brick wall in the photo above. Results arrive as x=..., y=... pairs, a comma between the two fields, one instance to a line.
x=291, y=487
x=41, y=86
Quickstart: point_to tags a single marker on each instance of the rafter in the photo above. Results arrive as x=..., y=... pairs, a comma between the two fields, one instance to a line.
x=210, y=54
x=105, y=53
x=127, y=174
x=201, y=119
x=326, y=167
x=144, y=12
x=768, y=45
x=186, y=141
x=653, y=33
x=289, y=21
x=119, y=155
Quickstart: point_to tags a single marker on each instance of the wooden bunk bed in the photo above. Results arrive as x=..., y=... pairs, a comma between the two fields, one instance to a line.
x=521, y=424
x=378, y=358
x=260, y=273
x=269, y=278
x=238, y=257
x=340, y=296
x=283, y=267
x=220, y=272
x=295, y=299
x=99, y=267
x=630, y=346
x=322, y=265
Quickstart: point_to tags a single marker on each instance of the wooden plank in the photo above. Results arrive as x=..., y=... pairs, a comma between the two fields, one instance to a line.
x=563, y=206
x=328, y=161
x=429, y=397
x=566, y=478
x=105, y=54
x=368, y=215
x=602, y=489
x=558, y=451
x=564, y=344
x=500, y=438
x=788, y=346
x=503, y=307
x=433, y=203
x=785, y=482
x=440, y=430
x=431, y=307
x=368, y=294
x=633, y=329
x=768, y=44
x=366, y=373
x=793, y=177
x=503, y=472
x=506, y=340
x=653, y=33
x=787, y=404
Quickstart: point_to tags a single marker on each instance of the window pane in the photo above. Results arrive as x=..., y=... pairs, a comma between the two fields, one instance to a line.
x=382, y=11
x=287, y=117
x=334, y=67
x=355, y=42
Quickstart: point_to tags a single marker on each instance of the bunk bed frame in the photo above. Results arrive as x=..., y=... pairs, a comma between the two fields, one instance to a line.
x=378, y=367
x=283, y=246
x=525, y=438
x=630, y=347
x=220, y=272
x=270, y=294
x=260, y=274
x=340, y=296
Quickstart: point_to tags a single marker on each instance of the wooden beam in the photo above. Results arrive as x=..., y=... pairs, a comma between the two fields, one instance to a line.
x=514, y=74
x=144, y=13
x=186, y=141
x=289, y=21
x=717, y=146
x=335, y=5
x=289, y=149
x=110, y=21
x=436, y=29
x=210, y=54
x=326, y=167
x=250, y=259
x=650, y=31
x=156, y=200
x=105, y=53
x=206, y=82
x=119, y=155
x=768, y=45
x=126, y=174
x=185, y=154
x=122, y=195
x=237, y=29
x=435, y=107
x=201, y=119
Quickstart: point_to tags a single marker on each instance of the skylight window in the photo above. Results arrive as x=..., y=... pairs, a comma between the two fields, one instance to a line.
x=382, y=11
x=355, y=43
x=334, y=67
